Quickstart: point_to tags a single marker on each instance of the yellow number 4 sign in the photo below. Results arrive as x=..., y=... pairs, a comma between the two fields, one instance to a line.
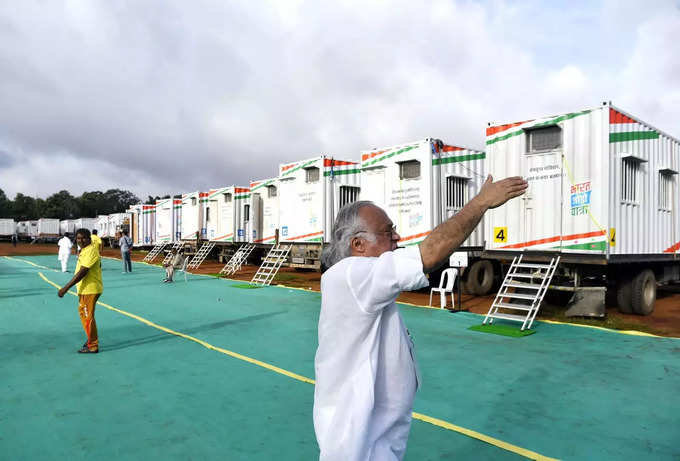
x=500, y=234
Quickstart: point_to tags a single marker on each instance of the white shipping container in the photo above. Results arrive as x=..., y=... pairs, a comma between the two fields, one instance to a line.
x=85, y=223
x=421, y=184
x=264, y=211
x=23, y=229
x=165, y=221
x=67, y=226
x=310, y=194
x=116, y=223
x=143, y=225
x=601, y=183
x=193, y=215
x=32, y=229
x=47, y=227
x=225, y=214
x=7, y=227
x=102, y=225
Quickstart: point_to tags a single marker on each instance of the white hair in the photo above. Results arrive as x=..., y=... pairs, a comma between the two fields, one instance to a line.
x=347, y=225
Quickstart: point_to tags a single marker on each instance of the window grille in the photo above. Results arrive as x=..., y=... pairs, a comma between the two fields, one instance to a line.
x=246, y=213
x=227, y=197
x=193, y=201
x=271, y=191
x=630, y=179
x=456, y=193
x=207, y=214
x=312, y=174
x=348, y=194
x=409, y=169
x=544, y=139
x=665, y=191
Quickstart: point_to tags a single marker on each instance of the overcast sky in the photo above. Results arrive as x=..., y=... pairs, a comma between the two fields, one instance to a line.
x=165, y=97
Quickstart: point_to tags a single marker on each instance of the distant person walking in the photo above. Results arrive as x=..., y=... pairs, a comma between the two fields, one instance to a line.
x=88, y=277
x=125, y=244
x=97, y=241
x=14, y=239
x=65, y=246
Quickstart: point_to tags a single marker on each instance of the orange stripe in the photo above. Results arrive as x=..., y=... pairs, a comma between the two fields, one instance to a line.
x=263, y=239
x=556, y=239
x=288, y=167
x=617, y=117
x=223, y=236
x=306, y=235
x=673, y=248
x=446, y=148
x=497, y=129
x=365, y=157
x=410, y=237
x=333, y=162
x=241, y=189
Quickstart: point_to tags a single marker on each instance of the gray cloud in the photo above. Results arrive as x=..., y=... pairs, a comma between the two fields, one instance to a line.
x=168, y=97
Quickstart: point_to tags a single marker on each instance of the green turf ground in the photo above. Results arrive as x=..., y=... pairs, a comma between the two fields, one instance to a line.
x=565, y=392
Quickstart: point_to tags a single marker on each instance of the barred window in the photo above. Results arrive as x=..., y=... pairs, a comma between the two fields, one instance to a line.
x=193, y=201
x=227, y=197
x=666, y=180
x=271, y=191
x=246, y=213
x=630, y=179
x=544, y=139
x=207, y=214
x=409, y=169
x=456, y=193
x=312, y=174
x=348, y=194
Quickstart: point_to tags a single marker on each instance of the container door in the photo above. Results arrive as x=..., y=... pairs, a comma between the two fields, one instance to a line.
x=540, y=209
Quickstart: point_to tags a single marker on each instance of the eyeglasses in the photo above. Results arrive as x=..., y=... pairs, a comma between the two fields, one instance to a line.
x=392, y=231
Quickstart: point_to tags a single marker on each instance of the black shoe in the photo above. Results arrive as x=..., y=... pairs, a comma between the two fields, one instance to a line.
x=85, y=350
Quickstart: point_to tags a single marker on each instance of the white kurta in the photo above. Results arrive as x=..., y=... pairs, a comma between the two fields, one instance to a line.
x=65, y=246
x=366, y=370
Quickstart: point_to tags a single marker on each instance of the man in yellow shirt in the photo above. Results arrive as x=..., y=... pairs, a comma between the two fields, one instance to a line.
x=97, y=241
x=88, y=277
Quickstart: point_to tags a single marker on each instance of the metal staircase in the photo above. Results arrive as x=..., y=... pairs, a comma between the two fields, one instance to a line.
x=155, y=251
x=271, y=265
x=168, y=257
x=237, y=259
x=528, y=282
x=200, y=256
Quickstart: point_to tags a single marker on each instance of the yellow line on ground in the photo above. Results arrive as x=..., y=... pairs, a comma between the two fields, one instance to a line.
x=31, y=263
x=428, y=419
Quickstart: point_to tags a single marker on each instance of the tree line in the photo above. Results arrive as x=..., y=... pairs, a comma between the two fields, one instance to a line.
x=63, y=205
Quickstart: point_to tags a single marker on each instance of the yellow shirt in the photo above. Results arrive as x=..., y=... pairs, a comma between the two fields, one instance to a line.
x=96, y=241
x=92, y=282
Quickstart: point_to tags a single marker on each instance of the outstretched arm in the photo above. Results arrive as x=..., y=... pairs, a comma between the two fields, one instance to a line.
x=76, y=278
x=450, y=234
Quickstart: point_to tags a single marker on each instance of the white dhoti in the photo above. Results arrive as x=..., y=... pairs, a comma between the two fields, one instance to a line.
x=63, y=258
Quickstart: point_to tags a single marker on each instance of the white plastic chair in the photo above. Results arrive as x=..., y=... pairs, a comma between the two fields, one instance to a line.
x=448, y=277
x=184, y=267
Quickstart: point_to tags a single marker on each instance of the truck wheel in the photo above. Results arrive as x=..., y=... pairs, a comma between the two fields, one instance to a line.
x=624, y=289
x=480, y=278
x=644, y=292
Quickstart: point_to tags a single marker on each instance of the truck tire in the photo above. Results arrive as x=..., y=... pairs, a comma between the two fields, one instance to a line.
x=644, y=292
x=480, y=279
x=624, y=290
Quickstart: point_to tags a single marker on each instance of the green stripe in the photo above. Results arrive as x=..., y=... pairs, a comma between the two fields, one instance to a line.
x=262, y=185
x=553, y=121
x=298, y=167
x=460, y=158
x=218, y=192
x=593, y=246
x=239, y=197
x=380, y=159
x=338, y=172
x=633, y=136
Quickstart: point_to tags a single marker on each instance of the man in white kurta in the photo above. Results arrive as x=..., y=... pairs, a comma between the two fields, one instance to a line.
x=65, y=246
x=366, y=357
x=365, y=365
